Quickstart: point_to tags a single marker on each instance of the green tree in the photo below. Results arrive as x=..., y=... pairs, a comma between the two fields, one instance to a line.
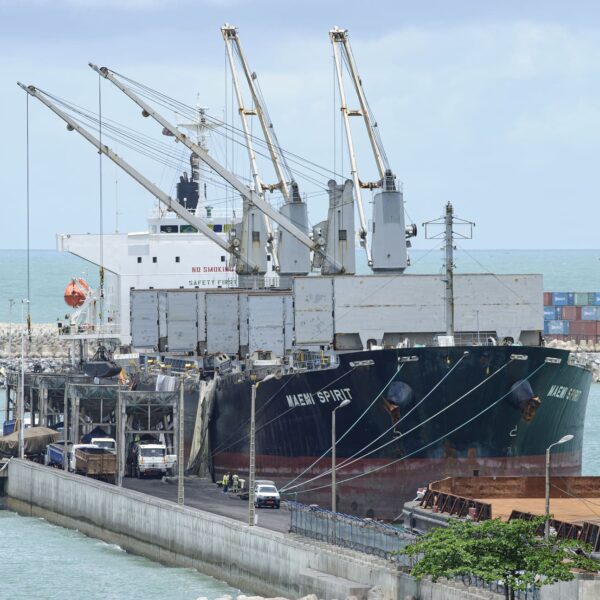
x=494, y=550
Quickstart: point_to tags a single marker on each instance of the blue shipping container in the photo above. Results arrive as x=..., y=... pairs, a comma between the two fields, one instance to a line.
x=556, y=327
x=560, y=299
x=551, y=313
x=594, y=298
x=590, y=313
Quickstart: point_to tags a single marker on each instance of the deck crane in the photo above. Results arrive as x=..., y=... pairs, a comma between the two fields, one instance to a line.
x=294, y=259
x=385, y=253
x=232, y=246
x=250, y=195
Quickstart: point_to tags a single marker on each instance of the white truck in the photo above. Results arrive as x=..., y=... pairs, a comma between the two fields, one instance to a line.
x=105, y=442
x=146, y=459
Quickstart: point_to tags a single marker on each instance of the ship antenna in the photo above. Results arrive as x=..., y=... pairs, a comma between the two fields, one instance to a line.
x=448, y=234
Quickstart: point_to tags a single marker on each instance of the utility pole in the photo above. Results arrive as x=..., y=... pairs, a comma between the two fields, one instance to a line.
x=450, y=232
x=449, y=243
x=252, y=466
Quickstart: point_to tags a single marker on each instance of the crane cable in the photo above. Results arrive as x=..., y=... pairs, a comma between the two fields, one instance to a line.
x=28, y=220
x=289, y=484
x=393, y=462
x=101, y=207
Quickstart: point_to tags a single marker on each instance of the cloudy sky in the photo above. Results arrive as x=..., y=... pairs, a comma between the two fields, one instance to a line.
x=494, y=106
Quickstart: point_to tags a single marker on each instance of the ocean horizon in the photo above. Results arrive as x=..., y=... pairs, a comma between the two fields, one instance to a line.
x=51, y=271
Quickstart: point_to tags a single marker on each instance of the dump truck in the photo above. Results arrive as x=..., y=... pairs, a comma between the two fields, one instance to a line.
x=95, y=462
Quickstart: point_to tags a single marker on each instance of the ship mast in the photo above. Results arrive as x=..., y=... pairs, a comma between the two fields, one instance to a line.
x=450, y=232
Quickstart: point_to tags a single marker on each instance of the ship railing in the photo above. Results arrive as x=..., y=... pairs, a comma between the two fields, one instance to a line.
x=83, y=329
x=313, y=361
x=469, y=338
x=498, y=587
x=363, y=535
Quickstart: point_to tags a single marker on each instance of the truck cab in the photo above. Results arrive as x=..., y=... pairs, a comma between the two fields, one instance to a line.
x=145, y=459
x=105, y=442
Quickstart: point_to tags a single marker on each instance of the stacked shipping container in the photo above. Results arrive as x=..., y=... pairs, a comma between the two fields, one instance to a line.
x=572, y=316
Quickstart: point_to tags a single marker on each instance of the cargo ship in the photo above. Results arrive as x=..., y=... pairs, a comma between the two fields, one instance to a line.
x=433, y=374
x=415, y=415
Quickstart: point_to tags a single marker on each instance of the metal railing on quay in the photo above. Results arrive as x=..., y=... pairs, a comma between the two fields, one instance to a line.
x=531, y=593
x=363, y=535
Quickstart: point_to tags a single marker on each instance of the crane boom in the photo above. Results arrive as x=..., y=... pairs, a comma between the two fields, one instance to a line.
x=227, y=175
x=362, y=234
x=179, y=210
x=340, y=36
x=230, y=34
x=244, y=113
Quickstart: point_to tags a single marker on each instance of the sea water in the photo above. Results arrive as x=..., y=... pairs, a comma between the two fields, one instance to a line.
x=39, y=560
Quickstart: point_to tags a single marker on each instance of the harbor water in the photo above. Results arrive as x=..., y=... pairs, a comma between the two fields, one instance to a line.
x=41, y=560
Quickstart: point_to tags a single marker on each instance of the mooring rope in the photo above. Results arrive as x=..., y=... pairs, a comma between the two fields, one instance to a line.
x=349, y=461
x=393, y=462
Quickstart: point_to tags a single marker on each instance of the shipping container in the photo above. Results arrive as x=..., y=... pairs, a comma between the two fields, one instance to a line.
x=581, y=298
x=590, y=313
x=551, y=313
x=548, y=299
x=561, y=298
x=583, y=328
x=594, y=298
x=569, y=313
x=556, y=327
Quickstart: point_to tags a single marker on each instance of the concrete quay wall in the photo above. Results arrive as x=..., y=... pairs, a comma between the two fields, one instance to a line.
x=251, y=558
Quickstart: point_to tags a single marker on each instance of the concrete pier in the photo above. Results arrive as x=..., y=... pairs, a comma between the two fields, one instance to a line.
x=254, y=559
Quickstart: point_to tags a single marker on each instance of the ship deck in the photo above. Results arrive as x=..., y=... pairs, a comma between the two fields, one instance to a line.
x=569, y=510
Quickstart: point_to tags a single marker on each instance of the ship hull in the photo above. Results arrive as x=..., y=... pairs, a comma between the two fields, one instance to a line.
x=415, y=415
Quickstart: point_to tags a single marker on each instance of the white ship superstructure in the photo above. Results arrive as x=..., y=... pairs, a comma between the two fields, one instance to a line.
x=168, y=255
x=171, y=253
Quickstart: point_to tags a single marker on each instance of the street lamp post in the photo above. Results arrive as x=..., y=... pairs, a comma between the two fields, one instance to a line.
x=180, y=443
x=564, y=439
x=252, y=467
x=333, y=442
x=11, y=303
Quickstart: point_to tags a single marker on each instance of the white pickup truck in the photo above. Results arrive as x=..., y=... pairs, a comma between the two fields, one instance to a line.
x=145, y=459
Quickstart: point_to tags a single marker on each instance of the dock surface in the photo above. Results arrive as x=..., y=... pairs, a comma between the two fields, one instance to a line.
x=205, y=495
x=570, y=510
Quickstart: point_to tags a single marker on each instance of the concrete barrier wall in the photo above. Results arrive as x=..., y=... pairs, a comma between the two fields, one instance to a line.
x=253, y=559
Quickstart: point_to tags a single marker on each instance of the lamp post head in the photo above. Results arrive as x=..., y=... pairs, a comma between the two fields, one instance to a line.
x=343, y=403
x=565, y=438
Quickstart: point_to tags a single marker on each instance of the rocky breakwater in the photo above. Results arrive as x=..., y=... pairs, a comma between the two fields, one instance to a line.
x=43, y=343
x=586, y=354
